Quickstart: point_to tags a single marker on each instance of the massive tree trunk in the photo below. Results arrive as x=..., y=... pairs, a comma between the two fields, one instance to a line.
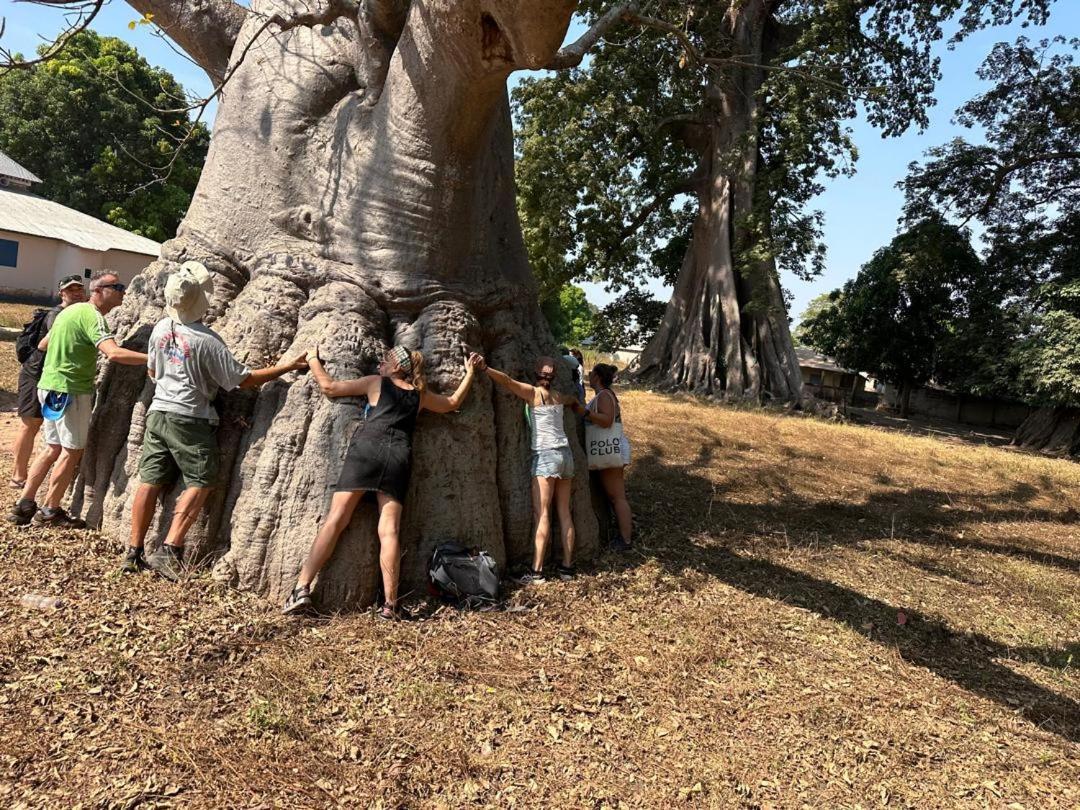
x=358, y=192
x=1051, y=430
x=725, y=330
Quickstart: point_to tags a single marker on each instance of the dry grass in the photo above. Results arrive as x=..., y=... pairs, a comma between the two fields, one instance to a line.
x=14, y=315
x=816, y=615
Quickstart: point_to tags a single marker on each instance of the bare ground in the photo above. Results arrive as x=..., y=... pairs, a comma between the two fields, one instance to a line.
x=816, y=615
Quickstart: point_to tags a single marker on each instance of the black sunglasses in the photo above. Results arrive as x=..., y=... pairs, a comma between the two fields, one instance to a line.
x=118, y=287
x=542, y=376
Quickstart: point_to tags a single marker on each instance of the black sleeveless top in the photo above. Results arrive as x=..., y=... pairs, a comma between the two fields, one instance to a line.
x=397, y=409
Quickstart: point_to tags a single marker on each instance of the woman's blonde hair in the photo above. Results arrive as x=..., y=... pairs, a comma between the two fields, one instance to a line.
x=418, y=381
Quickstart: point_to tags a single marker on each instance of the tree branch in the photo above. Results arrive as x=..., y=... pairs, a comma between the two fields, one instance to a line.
x=84, y=10
x=205, y=29
x=1003, y=172
x=573, y=55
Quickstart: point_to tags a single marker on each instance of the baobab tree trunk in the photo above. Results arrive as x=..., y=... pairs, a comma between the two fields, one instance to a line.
x=725, y=330
x=358, y=192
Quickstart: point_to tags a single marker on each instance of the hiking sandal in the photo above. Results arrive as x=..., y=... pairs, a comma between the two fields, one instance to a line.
x=388, y=613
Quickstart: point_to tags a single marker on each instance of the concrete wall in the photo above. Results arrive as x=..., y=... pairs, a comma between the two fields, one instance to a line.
x=831, y=385
x=968, y=410
x=43, y=262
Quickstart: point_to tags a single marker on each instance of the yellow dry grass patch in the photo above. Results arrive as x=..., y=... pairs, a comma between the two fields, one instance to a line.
x=815, y=615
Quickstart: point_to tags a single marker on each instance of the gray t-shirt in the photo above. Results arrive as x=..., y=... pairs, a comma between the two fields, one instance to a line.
x=190, y=362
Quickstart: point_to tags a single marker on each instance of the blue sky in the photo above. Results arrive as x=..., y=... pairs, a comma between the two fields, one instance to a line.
x=860, y=213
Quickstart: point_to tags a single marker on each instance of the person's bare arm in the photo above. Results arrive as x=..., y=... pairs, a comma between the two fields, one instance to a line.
x=518, y=389
x=604, y=415
x=340, y=388
x=261, y=376
x=125, y=357
x=437, y=403
x=43, y=344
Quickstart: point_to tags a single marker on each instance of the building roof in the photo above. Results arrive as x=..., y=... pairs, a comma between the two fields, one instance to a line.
x=23, y=212
x=9, y=168
x=808, y=358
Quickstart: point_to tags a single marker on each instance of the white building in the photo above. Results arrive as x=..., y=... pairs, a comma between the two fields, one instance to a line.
x=42, y=241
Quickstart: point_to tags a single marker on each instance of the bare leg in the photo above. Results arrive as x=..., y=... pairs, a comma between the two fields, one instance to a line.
x=24, y=446
x=542, y=491
x=389, y=546
x=563, y=489
x=614, y=481
x=342, y=506
x=40, y=468
x=62, y=476
x=142, y=512
x=186, y=513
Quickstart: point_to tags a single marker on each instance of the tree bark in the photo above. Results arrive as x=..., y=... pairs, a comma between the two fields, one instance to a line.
x=1050, y=430
x=355, y=217
x=725, y=330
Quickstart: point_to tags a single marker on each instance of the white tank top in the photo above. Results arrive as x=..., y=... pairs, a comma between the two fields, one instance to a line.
x=547, y=424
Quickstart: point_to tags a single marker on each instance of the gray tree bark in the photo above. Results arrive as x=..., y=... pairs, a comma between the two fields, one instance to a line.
x=358, y=192
x=725, y=330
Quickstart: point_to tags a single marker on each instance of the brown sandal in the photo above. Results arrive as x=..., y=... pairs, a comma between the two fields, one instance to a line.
x=16, y=484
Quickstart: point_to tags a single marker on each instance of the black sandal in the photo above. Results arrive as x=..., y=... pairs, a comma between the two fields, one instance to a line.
x=388, y=613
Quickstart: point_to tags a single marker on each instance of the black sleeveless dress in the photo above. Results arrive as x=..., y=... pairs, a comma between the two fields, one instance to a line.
x=378, y=459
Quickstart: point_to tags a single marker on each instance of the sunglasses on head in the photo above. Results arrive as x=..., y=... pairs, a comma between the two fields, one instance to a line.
x=117, y=286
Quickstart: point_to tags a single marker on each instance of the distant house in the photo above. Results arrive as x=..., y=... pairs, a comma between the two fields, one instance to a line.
x=823, y=378
x=42, y=241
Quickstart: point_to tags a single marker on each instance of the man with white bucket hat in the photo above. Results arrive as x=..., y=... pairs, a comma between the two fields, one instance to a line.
x=189, y=362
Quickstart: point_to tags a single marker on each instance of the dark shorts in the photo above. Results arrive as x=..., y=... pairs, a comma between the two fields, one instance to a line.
x=377, y=461
x=179, y=445
x=28, y=405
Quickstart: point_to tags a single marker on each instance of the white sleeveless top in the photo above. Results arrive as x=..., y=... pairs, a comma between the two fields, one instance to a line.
x=547, y=427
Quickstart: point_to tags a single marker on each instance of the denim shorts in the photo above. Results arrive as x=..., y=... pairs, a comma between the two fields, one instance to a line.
x=556, y=463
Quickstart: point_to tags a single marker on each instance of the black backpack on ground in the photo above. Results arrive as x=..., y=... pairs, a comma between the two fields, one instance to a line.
x=463, y=576
x=32, y=333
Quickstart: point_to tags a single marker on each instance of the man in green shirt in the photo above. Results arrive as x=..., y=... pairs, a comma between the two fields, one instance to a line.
x=66, y=393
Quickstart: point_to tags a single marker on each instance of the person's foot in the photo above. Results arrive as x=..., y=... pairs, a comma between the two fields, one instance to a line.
x=57, y=517
x=167, y=561
x=17, y=483
x=299, y=601
x=619, y=546
x=388, y=613
x=566, y=572
x=134, y=561
x=23, y=512
x=531, y=578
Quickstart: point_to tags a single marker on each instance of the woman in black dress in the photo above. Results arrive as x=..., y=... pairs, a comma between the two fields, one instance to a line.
x=377, y=461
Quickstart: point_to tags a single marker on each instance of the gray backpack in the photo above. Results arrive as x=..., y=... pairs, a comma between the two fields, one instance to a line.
x=464, y=577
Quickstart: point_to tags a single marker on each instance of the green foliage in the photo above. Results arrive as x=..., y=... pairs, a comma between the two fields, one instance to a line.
x=84, y=122
x=630, y=320
x=1023, y=185
x=897, y=316
x=817, y=305
x=606, y=152
x=569, y=315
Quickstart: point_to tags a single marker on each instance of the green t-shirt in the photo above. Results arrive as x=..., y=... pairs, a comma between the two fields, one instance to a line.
x=71, y=361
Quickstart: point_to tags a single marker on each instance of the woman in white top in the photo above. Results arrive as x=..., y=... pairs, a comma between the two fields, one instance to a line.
x=604, y=411
x=552, y=464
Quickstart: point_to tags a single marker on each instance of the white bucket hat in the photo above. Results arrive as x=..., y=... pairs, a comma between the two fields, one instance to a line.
x=188, y=291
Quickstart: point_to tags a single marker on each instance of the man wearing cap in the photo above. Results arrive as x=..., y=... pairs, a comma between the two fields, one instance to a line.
x=189, y=363
x=66, y=394
x=71, y=291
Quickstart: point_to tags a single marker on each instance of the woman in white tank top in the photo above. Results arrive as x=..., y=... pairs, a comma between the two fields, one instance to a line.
x=552, y=463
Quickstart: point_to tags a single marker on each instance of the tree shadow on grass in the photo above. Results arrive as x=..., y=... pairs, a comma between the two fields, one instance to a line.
x=969, y=660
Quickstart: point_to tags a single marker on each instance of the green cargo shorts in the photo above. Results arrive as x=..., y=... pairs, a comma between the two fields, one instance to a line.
x=175, y=444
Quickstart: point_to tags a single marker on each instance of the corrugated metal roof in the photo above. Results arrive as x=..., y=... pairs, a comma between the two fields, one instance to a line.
x=808, y=358
x=12, y=169
x=27, y=213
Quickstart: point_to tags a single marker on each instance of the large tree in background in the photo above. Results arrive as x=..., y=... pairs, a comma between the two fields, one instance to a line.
x=88, y=122
x=718, y=120
x=898, y=315
x=358, y=192
x=1023, y=185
